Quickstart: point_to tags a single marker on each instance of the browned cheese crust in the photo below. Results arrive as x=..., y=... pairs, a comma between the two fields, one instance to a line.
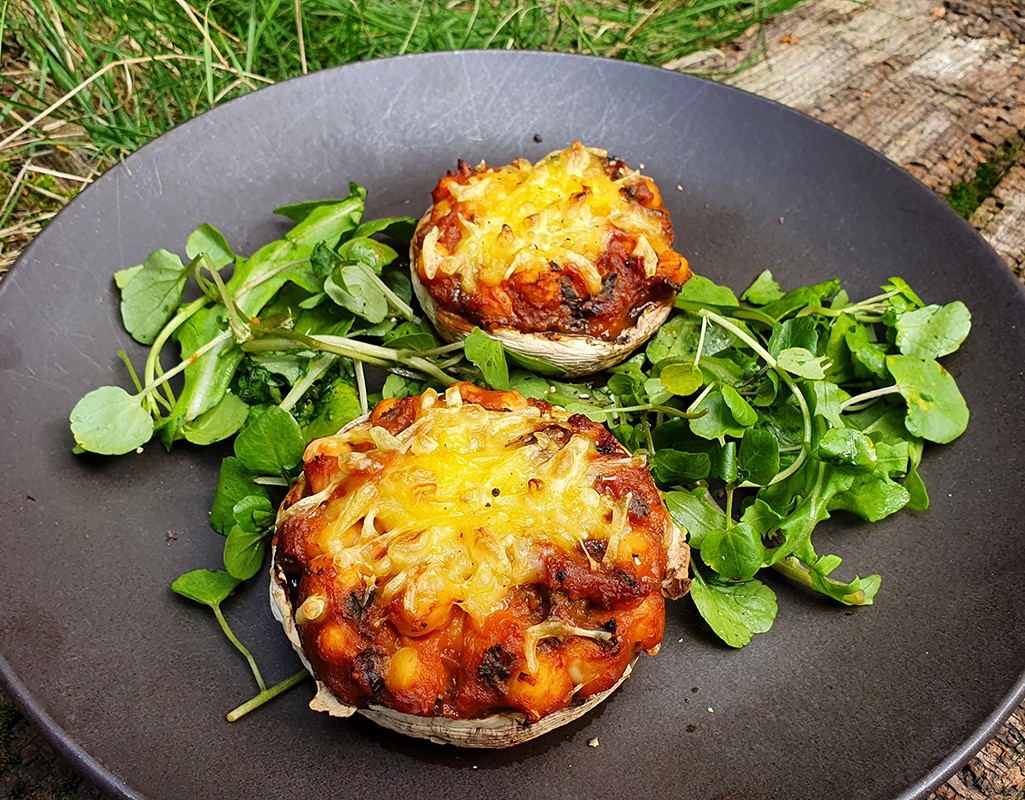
x=577, y=244
x=473, y=553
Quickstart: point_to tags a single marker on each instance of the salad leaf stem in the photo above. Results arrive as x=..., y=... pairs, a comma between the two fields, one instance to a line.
x=241, y=647
x=396, y=302
x=316, y=369
x=267, y=695
x=131, y=369
x=248, y=287
x=365, y=352
x=188, y=362
x=443, y=350
x=864, y=397
x=654, y=407
x=179, y=319
x=701, y=341
x=701, y=396
x=238, y=325
x=361, y=387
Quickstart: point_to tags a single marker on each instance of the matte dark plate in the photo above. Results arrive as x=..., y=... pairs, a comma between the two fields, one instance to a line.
x=132, y=683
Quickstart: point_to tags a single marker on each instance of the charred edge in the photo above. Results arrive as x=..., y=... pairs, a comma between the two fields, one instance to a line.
x=496, y=667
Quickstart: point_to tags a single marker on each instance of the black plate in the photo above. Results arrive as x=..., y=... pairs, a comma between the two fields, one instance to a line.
x=133, y=683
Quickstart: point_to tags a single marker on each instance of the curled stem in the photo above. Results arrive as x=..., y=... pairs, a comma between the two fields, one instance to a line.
x=241, y=647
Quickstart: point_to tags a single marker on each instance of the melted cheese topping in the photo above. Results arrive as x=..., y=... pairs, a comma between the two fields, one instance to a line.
x=457, y=502
x=523, y=218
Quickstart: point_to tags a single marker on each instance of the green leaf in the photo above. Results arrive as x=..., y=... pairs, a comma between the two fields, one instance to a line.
x=893, y=458
x=370, y=252
x=488, y=356
x=335, y=409
x=253, y=513
x=727, y=465
x=209, y=377
x=870, y=356
x=411, y=336
x=696, y=513
x=799, y=332
x=400, y=228
x=905, y=290
x=739, y=407
x=717, y=421
x=859, y=592
x=207, y=239
x=327, y=222
x=847, y=447
x=354, y=287
x=826, y=399
x=803, y=499
x=797, y=299
x=243, y=552
x=764, y=290
x=724, y=370
x=207, y=586
x=871, y=497
x=123, y=276
x=918, y=497
x=534, y=364
x=801, y=362
x=257, y=279
x=271, y=444
x=736, y=552
x=761, y=517
x=219, y=422
x=324, y=260
x=234, y=483
x=735, y=611
x=936, y=409
x=398, y=386
x=110, y=421
x=681, y=379
x=150, y=298
x=676, y=467
x=297, y=212
x=679, y=336
x=701, y=290
x=759, y=456
x=766, y=390
x=841, y=368
x=933, y=331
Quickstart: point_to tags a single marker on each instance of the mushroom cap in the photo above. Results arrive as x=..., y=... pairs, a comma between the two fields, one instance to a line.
x=499, y=730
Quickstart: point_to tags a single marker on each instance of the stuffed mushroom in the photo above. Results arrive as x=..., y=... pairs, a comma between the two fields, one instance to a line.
x=569, y=260
x=474, y=567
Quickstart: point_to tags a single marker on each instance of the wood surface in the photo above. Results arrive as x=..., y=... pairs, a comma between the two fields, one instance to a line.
x=939, y=88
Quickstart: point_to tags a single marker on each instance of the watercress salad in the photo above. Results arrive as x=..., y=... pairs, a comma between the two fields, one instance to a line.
x=760, y=415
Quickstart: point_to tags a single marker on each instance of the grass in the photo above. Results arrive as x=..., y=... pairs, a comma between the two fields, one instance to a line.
x=86, y=82
x=966, y=196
